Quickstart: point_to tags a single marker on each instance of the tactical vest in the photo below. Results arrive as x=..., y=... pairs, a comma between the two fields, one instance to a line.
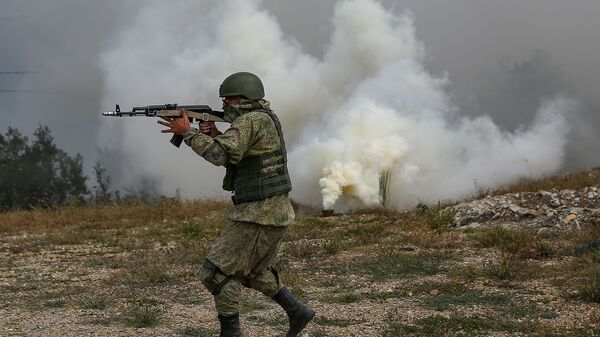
x=260, y=177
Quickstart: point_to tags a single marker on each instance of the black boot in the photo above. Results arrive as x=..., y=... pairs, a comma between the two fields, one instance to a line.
x=298, y=313
x=230, y=326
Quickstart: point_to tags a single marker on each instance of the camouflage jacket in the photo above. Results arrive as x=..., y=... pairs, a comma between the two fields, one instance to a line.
x=252, y=133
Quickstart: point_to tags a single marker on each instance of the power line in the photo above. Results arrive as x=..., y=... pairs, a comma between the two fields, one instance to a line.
x=26, y=91
x=17, y=72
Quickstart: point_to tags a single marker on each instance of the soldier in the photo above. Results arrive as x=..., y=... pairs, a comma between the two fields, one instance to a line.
x=254, y=155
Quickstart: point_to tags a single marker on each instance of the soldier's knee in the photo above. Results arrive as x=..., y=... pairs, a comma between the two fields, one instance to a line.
x=213, y=278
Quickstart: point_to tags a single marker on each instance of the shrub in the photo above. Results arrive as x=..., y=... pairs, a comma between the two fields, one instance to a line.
x=38, y=174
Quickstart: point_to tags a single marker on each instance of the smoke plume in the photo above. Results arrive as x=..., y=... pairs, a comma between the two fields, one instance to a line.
x=366, y=106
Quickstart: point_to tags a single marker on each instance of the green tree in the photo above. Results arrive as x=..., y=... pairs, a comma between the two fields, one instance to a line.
x=102, y=195
x=38, y=174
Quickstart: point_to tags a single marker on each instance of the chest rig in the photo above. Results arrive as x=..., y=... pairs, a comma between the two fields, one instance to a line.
x=260, y=177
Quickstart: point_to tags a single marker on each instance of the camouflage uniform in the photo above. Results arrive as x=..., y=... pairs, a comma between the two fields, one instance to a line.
x=244, y=252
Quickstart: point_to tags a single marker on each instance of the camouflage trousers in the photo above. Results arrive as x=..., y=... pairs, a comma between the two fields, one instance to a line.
x=242, y=255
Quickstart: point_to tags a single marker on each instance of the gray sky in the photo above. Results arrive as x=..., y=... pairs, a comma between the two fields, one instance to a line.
x=502, y=57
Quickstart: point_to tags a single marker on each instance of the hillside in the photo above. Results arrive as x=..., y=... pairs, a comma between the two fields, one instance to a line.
x=521, y=261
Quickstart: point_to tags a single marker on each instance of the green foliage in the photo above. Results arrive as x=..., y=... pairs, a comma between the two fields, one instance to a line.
x=435, y=217
x=98, y=302
x=143, y=313
x=587, y=247
x=196, y=332
x=38, y=174
x=400, y=265
x=588, y=289
x=466, y=297
x=101, y=194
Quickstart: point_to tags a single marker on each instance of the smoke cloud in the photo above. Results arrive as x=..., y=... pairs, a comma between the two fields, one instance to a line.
x=496, y=91
x=367, y=106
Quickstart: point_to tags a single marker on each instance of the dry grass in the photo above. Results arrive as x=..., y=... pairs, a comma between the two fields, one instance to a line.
x=131, y=270
x=572, y=181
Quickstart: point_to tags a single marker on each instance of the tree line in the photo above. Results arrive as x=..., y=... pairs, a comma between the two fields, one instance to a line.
x=35, y=173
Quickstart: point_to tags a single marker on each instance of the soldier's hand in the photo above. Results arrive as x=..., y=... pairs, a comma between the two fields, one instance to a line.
x=177, y=126
x=209, y=128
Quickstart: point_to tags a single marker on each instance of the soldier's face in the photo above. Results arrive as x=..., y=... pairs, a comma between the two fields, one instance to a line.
x=231, y=100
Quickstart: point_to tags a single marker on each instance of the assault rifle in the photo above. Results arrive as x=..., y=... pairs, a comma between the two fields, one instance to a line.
x=200, y=113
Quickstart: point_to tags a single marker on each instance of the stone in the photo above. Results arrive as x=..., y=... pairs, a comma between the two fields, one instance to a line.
x=555, y=202
x=570, y=218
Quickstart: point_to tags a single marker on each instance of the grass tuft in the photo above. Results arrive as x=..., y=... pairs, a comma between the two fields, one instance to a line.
x=143, y=313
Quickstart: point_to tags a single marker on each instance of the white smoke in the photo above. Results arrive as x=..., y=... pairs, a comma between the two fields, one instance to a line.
x=366, y=107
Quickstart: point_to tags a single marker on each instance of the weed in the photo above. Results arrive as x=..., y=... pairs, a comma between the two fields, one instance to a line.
x=545, y=250
x=401, y=265
x=143, y=313
x=321, y=320
x=343, y=298
x=56, y=303
x=436, y=218
x=145, y=271
x=587, y=247
x=302, y=249
x=481, y=191
x=507, y=269
x=467, y=326
x=382, y=296
x=588, y=289
x=519, y=310
x=466, y=297
x=98, y=302
x=334, y=245
x=196, y=332
x=523, y=243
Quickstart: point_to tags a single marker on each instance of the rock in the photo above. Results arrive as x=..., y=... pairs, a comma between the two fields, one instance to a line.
x=522, y=211
x=555, y=202
x=570, y=218
x=554, y=210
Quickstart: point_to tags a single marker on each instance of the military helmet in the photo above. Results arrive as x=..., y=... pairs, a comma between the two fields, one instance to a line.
x=243, y=84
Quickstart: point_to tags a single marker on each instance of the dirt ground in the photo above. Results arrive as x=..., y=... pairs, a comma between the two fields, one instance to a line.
x=130, y=270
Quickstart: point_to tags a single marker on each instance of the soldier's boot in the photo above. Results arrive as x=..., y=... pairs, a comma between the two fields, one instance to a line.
x=299, y=315
x=230, y=326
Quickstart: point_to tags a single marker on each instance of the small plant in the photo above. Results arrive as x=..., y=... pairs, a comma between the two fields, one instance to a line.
x=465, y=297
x=97, y=302
x=545, y=250
x=343, y=298
x=481, y=191
x=333, y=246
x=589, y=288
x=436, y=218
x=145, y=271
x=396, y=265
x=587, y=247
x=143, y=313
x=196, y=332
x=322, y=320
x=508, y=241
